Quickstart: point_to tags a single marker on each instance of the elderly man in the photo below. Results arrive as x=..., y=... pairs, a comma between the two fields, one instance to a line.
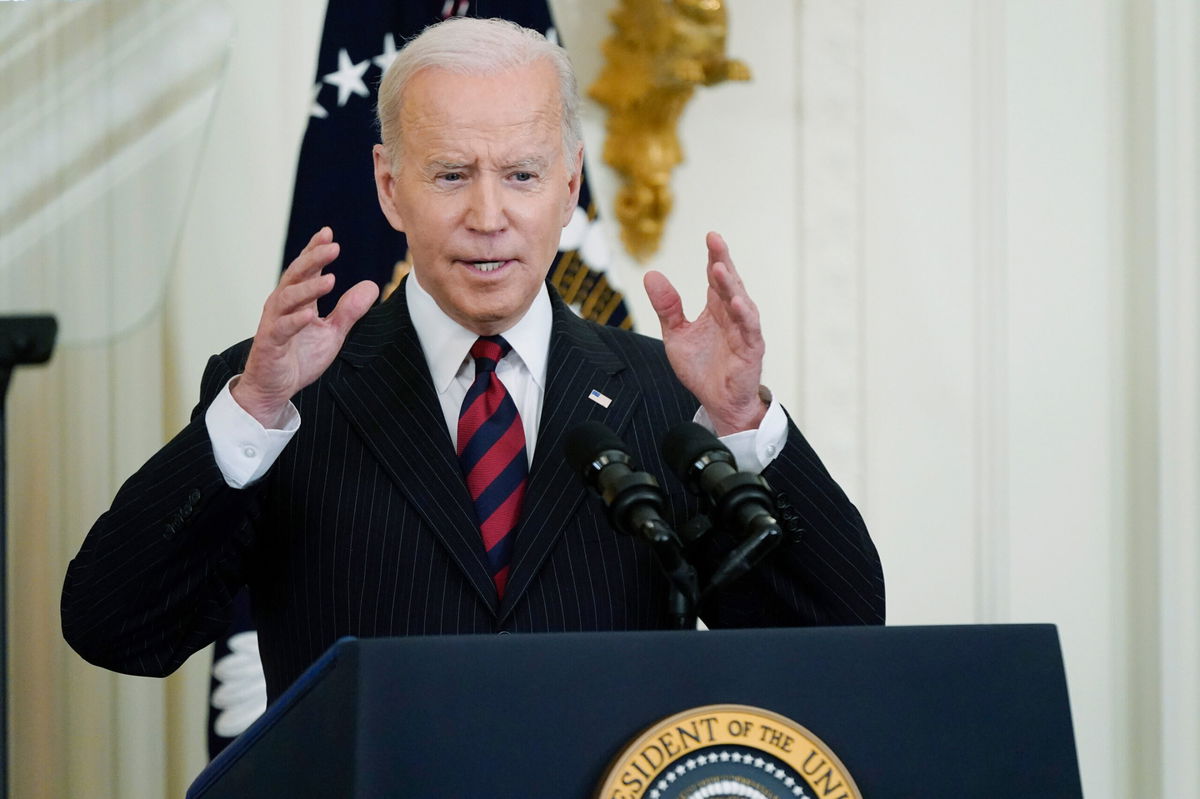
x=425, y=490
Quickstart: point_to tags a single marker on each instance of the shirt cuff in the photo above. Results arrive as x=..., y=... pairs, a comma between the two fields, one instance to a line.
x=243, y=448
x=753, y=449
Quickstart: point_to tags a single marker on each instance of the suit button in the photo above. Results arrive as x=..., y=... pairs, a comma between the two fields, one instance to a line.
x=194, y=497
x=170, y=529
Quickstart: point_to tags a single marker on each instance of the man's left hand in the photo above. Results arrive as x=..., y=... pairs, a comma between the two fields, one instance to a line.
x=718, y=356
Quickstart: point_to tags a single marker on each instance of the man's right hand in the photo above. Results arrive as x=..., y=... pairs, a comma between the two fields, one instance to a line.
x=294, y=345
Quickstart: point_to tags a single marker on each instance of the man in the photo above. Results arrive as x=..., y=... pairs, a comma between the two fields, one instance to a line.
x=426, y=490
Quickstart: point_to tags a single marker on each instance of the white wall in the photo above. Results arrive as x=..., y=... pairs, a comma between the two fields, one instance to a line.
x=1000, y=200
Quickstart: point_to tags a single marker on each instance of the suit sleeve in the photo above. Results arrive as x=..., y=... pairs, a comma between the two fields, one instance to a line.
x=155, y=576
x=826, y=571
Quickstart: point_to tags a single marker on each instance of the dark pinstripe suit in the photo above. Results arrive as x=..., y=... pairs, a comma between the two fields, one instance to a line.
x=364, y=526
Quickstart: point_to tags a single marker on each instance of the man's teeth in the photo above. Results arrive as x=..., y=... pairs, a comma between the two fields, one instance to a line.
x=488, y=266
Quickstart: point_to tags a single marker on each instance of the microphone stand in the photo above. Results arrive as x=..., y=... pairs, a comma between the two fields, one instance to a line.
x=23, y=340
x=640, y=492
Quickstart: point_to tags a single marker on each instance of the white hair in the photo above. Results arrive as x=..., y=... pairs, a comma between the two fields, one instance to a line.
x=472, y=46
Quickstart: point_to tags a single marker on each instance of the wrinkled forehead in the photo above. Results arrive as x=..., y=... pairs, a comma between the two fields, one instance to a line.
x=517, y=107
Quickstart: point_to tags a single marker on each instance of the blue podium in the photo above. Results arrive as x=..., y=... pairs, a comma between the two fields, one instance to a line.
x=969, y=711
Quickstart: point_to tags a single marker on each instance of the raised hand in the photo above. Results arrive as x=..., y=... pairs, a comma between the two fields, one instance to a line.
x=294, y=345
x=718, y=356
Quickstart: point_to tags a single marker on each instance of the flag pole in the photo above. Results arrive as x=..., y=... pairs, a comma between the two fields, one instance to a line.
x=23, y=340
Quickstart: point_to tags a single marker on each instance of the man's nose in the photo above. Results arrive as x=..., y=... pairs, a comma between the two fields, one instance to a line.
x=486, y=213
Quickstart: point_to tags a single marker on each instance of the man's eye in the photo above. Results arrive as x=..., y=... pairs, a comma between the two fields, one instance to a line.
x=452, y=177
x=522, y=177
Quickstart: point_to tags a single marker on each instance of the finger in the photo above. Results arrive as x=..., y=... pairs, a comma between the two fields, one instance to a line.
x=745, y=318
x=353, y=304
x=292, y=297
x=322, y=236
x=289, y=325
x=731, y=304
x=665, y=301
x=726, y=283
x=311, y=261
x=715, y=305
x=718, y=252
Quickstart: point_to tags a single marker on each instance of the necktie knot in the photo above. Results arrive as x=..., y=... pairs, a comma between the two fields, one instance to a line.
x=487, y=352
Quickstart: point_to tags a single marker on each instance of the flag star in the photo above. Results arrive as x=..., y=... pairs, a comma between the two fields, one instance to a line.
x=348, y=77
x=789, y=782
x=758, y=762
x=385, y=59
x=316, y=109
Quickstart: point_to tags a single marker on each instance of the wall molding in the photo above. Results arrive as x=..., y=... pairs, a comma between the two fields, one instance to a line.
x=989, y=162
x=831, y=232
x=1177, y=111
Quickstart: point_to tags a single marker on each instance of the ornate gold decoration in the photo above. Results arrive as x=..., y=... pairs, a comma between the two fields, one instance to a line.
x=401, y=269
x=660, y=52
x=730, y=750
x=586, y=289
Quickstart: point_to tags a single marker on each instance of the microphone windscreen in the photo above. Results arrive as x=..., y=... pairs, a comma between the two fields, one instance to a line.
x=587, y=440
x=685, y=443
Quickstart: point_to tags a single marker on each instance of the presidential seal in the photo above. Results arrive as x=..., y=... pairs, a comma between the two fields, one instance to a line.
x=720, y=751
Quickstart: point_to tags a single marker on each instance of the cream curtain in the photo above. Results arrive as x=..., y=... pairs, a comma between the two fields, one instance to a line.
x=146, y=165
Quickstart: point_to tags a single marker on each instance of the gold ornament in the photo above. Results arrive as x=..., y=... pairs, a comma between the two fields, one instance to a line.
x=401, y=269
x=661, y=50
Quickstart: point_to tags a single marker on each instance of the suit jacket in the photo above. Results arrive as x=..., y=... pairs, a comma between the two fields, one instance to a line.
x=364, y=525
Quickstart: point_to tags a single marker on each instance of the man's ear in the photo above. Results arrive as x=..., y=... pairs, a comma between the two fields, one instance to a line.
x=385, y=185
x=576, y=182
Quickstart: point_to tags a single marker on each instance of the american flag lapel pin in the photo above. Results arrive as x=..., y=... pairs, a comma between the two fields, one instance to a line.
x=599, y=399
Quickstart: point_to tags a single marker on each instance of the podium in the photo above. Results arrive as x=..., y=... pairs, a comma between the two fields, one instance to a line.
x=971, y=711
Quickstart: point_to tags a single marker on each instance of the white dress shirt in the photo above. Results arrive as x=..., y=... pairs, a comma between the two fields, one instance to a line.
x=245, y=450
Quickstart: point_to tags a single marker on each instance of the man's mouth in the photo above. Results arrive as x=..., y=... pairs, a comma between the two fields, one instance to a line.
x=487, y=266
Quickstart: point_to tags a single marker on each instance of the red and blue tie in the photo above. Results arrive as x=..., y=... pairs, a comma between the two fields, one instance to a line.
x=491, y=450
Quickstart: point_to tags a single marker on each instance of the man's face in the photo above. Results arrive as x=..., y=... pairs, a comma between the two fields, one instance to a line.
x=481, y=189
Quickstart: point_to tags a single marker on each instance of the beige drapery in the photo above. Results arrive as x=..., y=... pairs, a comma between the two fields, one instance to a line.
x=154, y=160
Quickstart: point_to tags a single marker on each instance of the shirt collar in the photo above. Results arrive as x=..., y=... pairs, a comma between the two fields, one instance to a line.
x=446, y=344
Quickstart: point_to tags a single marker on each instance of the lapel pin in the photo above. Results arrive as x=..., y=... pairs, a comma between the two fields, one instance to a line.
x=599, y=399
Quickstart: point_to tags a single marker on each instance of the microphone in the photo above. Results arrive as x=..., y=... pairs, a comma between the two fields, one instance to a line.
x=740, y=502
x=634, y=499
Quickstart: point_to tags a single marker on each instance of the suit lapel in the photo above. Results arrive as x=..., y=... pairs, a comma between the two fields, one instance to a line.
x=387, y=394
x=578, y=362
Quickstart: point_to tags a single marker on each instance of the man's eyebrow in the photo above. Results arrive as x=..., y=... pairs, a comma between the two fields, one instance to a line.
x=436, y=164
x=533, y=162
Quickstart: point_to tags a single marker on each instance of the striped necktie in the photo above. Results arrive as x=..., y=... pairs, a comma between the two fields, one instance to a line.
x=491, y=450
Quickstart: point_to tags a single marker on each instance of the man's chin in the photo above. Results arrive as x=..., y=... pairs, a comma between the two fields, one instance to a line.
x=493, y=319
